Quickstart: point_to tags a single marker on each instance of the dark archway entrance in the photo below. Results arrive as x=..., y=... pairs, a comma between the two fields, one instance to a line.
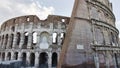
x=24, y=59
x=3, y=56
x=43, y=60
x=9, y=56
x=32, y=59
x=16, y=55
x=54, y=59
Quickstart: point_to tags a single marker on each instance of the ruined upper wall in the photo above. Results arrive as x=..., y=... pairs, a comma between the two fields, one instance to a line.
x=33, y=18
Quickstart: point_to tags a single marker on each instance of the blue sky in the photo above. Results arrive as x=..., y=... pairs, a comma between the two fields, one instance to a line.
x=42, y=8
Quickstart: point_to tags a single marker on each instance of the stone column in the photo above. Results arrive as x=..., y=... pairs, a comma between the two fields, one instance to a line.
x=8, y=43
x=29, y=40
x=107, y=59
x=96, y=59
x=19, y=56
x=21, y=40
x=36, y=59
x=38, y=40
x=15, y=37
x=28, y=58
x=12, y=56
x=6, y=58
x=30, y=36
x=14, y=41
x=49, y=60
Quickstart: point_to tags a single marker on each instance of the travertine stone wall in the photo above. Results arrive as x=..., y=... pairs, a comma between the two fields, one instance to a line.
x=16, y=40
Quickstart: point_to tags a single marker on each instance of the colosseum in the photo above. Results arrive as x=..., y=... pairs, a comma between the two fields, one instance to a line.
x=87, y=39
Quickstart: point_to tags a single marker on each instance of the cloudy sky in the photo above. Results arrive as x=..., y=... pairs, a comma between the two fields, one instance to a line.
x=42, y=8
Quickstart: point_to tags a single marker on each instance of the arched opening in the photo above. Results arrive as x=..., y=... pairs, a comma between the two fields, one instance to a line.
x=25, y=40
x=44, y=40
x=11, y=41
x=6, y=40
x=13, y=28
x=43, y=60
x=34, y=38
x=54, y=40
x=32, y=59
x=62, y=37
x=18, y=38
x=16, y=55
x=9, y=56
x=54, y=59
x=3, y=56
x=24, y=59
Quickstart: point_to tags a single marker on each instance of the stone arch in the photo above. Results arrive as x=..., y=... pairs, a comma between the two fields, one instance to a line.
x=44, y=40
x=32, y=59
x=16, y=55
x=54, y=59
x=25, y=40
x=9, y=56
x=18, y=38
x=6, y=40
x=24, y=57
x=43, y=60
x=11, y=40
x=3, y=56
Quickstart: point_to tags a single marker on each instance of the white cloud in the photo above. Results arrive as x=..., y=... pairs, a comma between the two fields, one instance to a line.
x=13, y=8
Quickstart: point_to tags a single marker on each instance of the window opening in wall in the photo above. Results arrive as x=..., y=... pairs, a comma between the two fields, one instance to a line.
x=54, y=60
x=6, y=40
x=11, y=41
x=2, y=40
x=62, y=36
x=13, y=28
x=18, y=38
x=63, y=20
x=112, y=37
x=25, y=40
x=9, y=56
x=28, y=19
x=34, y=38
x=54, y=38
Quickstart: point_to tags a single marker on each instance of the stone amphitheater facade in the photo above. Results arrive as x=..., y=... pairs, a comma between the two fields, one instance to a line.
x=33, y=41
x=88, y=39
